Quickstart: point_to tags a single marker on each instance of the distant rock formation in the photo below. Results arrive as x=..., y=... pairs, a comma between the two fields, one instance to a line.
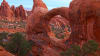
x=28, y=13
x=38, y=3
x=13, y=9
x=20, y=13
x=5, y=11
x=12, y=13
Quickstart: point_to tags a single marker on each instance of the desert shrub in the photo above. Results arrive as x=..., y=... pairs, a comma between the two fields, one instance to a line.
x=3, y=35
x=87, y=48
x=18, y=45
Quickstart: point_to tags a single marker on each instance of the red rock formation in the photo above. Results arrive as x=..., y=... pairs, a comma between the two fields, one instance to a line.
x=13, y=9
x=28, y=13
x=87, y=14
x=5, y=11
x=83, y=19
x=11, y=13
x=38, y=32
x=20, y=13
x=3, y=52
x=38, y=3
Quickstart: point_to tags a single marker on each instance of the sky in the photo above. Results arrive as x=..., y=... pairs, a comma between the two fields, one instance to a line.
x=29, y=3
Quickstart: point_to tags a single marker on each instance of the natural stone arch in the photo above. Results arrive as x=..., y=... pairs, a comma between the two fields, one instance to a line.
x=63, y=11
x=36, y=30
x=81, y=15
x=77, y=17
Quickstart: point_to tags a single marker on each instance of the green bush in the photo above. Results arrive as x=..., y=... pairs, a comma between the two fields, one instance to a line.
x=89, y=47
x=18, y=45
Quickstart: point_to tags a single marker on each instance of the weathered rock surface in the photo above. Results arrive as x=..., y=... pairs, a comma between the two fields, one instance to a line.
x=3, y=52
x=12, y=13
x=28, y=13
x=83, y=18
x=37, y=31
x=13, y=9
x=20, y=13
x=5, y=11
x=38, y=3
x=86, y=20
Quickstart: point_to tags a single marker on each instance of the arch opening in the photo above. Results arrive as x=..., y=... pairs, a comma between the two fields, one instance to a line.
x=59, y=28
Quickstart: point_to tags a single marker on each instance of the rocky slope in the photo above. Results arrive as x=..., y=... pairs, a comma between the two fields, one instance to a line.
x=3, y=52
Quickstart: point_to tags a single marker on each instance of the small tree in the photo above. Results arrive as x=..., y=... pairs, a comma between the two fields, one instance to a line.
x=18, y=45
x=89, y=47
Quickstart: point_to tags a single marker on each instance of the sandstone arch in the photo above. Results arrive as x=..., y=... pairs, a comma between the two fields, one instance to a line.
x=82, y=16
x=37, y=29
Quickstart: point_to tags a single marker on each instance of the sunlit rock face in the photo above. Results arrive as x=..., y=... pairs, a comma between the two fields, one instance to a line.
x=12, y=13
x=34, y=24
x=38, y=3
x=5, y=11
x=13, y=9
x=20, y=13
